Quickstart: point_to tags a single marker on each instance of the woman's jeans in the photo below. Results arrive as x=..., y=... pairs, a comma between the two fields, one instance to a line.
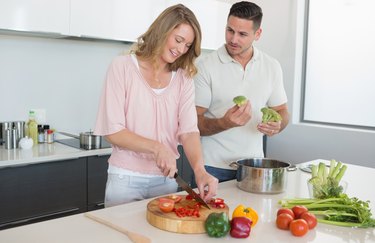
x=123, y=188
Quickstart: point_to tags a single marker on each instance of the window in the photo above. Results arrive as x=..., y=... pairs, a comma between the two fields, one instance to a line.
x=339, y=63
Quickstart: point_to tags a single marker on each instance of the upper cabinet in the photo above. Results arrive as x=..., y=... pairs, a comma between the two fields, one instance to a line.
x=112, y=19
x=108, y=19
x=35, y=15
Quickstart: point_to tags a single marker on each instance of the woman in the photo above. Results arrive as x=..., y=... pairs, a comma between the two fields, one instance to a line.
x=147, y=109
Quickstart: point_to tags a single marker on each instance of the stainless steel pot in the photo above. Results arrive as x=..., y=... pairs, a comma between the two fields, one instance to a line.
x=87, y=140
x=262, y=175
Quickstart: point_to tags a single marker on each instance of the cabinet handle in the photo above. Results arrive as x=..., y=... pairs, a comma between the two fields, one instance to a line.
x=71, y=210
x=100, y=204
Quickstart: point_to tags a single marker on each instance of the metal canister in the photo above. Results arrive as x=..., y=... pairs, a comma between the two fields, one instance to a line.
x=8, y=139
x=20, y=127
x=4, y=127
x=15, y=138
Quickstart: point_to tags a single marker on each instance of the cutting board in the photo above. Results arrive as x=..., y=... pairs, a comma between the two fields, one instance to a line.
x=186, y=225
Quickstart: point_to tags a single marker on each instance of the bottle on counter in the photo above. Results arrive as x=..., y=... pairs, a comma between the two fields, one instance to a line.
x=45, y=129
x=32, y=127
x=40, y=134
x=50, y=136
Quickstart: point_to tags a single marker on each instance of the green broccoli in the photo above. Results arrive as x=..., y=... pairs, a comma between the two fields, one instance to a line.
x=270, y=115
x=240, y=100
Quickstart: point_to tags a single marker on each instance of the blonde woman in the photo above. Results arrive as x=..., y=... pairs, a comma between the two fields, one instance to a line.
x=147, y=108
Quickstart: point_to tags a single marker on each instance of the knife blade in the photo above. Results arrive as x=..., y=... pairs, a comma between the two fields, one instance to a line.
x=189, y=190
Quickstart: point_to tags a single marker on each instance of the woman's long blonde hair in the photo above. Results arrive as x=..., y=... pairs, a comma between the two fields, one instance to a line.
x=149, y=46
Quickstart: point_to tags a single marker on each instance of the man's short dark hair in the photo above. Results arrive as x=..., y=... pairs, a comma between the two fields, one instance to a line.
x=247, y=10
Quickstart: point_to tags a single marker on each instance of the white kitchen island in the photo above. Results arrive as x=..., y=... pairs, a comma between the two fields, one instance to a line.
x=132, y=216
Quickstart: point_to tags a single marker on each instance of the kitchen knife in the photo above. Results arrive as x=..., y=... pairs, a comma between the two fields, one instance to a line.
x=189, y=190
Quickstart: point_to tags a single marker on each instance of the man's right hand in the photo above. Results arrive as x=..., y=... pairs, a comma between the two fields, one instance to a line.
x=237, y=116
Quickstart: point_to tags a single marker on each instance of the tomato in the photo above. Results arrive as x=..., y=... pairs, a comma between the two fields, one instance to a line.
x=298, y=210
x=175, y=198
x=283, y=221
x=310, y=219
x=298, y=227
x=166, y=205
x=285, y=210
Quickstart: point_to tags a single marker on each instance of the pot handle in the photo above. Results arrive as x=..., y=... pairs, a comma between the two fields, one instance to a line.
x=233, y=164
x=291, y=168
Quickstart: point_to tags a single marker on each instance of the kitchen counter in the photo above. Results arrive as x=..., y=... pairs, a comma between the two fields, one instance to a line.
x=45, y=153
x=78, y=228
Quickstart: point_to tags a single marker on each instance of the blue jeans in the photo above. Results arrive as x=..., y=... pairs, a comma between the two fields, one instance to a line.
x=123, y=188
x=222, y=174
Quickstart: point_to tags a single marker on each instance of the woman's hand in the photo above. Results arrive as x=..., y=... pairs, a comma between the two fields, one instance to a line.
x=165, y=160
x=205, y=180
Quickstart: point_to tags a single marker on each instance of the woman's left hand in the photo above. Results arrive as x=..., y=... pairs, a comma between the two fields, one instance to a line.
x=205, y=180
x=269, y=128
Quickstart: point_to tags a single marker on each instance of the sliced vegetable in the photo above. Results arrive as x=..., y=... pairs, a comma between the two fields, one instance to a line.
x=175, y=198
x=166, y=205
x=240, y=227
x=217, y=225
x=217, y=203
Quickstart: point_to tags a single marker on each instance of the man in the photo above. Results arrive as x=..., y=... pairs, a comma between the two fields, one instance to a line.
x=230, y=132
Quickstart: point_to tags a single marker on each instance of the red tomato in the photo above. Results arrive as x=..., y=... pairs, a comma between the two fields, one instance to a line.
x=285, y=210
x=310, y=219
x=166, y=205
x=283, y=220
x=298, y=211
x=175, y=198
x=298, y=227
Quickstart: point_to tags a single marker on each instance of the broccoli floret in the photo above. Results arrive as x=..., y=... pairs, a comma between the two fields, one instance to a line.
x=240, y=100
x=270, y=115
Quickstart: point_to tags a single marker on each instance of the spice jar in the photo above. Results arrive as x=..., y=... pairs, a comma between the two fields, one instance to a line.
x=50, y=136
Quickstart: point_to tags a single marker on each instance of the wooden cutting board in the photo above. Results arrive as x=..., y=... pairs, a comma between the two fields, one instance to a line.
x=186, y=225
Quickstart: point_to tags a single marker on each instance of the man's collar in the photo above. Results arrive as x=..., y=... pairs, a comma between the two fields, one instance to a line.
x=226, y=58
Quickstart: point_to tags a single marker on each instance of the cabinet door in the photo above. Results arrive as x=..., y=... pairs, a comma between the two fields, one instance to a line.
x=37, y=192
x=212, y=16
x=112, y=19
x=97, y=167
x=35, y=15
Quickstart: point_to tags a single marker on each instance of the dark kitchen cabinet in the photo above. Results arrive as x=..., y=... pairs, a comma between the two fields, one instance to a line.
x=97, y=167
x=38, y=192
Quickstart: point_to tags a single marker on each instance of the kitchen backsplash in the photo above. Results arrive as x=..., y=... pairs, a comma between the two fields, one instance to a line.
x=62, y=77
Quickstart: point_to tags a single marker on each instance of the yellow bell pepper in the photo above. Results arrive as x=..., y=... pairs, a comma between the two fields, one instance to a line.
x=242, y=211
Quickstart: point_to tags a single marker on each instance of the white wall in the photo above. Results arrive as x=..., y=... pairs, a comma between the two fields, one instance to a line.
x=64, y=77
x=299, y=142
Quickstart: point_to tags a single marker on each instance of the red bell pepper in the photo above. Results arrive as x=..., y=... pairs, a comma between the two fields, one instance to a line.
x=240, y=227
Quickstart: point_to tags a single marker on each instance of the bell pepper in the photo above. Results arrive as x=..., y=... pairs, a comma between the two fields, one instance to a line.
x=242, y=211
x=217, y=225
x=240, y=227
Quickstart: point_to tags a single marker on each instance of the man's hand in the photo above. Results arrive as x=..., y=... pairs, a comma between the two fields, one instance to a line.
x=237, y=116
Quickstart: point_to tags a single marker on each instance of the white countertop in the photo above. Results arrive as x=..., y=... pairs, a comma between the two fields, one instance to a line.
x=45, y=153
x=132, y=216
